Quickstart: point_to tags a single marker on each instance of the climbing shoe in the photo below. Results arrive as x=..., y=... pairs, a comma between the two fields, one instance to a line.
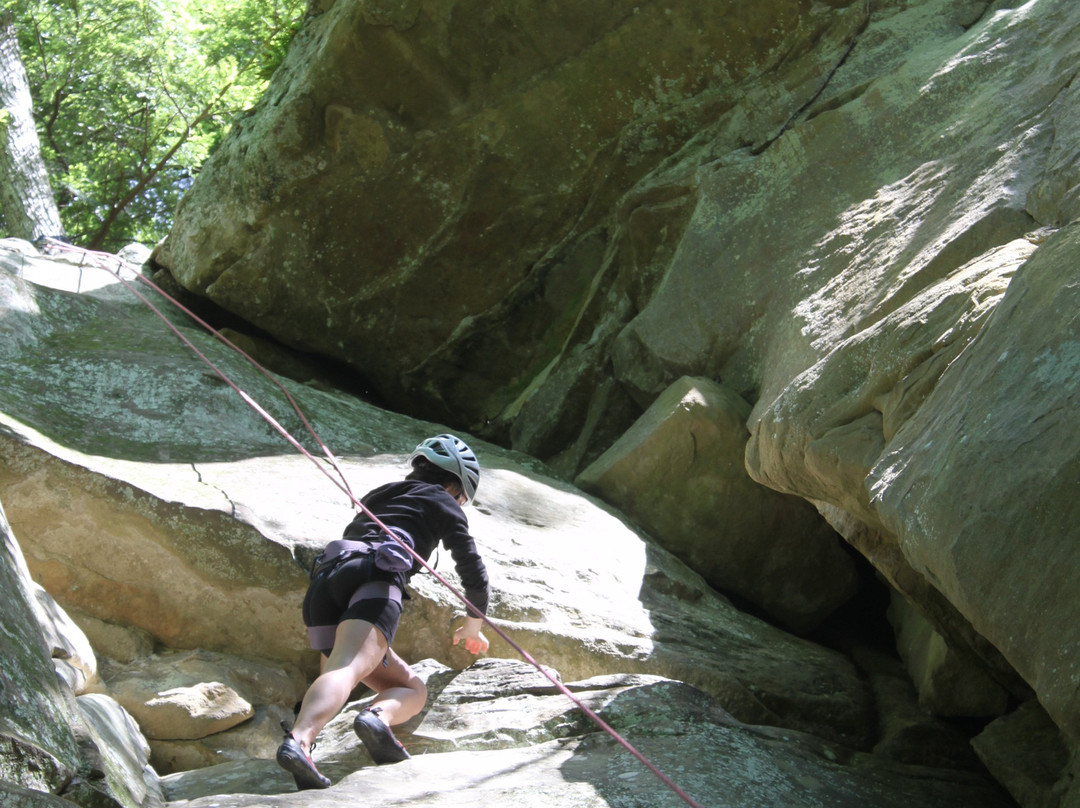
x=378, y=739
x=293, y=759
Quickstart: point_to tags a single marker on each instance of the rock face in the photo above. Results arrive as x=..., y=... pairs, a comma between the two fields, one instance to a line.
x=37, y=718
x=1006, y=404
x=639, y=634
x=948, y=682
x=859, y=219
x=846, y=213
x=773, y=550
x=506, y=736
x=86, y=750
x=492, y=149
x=211, y=555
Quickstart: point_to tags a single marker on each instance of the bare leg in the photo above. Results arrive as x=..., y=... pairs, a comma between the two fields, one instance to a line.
x=401, y=693
x=359, y=648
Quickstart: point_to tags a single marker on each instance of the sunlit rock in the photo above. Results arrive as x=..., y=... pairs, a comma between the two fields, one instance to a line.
x=771, y=549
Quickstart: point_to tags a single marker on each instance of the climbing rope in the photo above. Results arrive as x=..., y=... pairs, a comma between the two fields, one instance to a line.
x=104, y=261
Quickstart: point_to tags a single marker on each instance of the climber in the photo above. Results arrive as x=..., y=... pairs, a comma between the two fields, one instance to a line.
x=354, y=602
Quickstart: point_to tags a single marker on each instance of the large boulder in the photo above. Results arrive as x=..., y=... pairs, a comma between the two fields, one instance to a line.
x=188, y=702
x=1027, y=754
x=1010, y=514
x=56, y=749
x=771, y=549
x=826, y=224
x=426, y=190
x=884, y=283
x=573, y=583
x=862, y=228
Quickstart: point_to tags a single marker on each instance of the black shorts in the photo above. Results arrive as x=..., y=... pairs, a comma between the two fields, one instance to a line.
x=353, y=590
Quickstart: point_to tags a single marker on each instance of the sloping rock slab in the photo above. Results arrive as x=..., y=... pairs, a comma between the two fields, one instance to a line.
x=711, y=757
x=148, y=494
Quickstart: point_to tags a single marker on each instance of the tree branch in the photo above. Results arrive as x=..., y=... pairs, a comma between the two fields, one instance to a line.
x=145, y=179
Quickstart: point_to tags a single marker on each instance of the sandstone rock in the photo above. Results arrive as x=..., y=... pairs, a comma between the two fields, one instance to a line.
x=1007, y=404
x=953, y=184
x=194, y=694
x=640, y=611
x=56, y=750
x=948, y=684
x=139, y=518
x=38, y=748
x=72, y=655
x=15, y=796
x=551, y=756
x=746, y=221
x=804, y=233
x=885, y=296
x=264, y=681
x=823, y=434
x=906, y=732
x=119, y=643
x=130, y=566
x=773, y=550
x=1066, y=786
x=1026, y=753
x=194, y=711
x=64, y=271
x=488, y=148
x=121, y=770
x=881, y=549
x=828, y=200
x=258, y=737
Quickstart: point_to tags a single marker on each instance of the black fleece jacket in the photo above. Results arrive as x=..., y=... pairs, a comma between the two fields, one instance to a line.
x=429, y=515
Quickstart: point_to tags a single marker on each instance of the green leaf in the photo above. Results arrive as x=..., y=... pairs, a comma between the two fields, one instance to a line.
x=131, y=96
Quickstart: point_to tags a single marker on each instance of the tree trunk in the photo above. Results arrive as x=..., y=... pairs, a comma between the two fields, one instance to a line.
x=26, y=198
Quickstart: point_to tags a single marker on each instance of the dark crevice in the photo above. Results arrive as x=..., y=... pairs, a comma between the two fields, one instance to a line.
x=797, y=116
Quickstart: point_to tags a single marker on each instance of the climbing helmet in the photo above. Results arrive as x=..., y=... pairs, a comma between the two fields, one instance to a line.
x=451, y=454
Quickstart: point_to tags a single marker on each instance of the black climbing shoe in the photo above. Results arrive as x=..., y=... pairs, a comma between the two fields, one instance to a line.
x=378, y=739
x=293, y=759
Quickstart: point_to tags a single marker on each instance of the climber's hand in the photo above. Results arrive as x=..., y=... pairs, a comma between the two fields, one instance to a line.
x=470, y=634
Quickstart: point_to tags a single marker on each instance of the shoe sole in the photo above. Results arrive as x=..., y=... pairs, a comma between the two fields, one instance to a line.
x=378, y=740
x=303, y=772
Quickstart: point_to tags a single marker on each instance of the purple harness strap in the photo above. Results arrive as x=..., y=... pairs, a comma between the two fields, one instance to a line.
x=376, y=589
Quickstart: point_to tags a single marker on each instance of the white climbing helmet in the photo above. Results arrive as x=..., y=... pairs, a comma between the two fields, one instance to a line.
x=451, y=454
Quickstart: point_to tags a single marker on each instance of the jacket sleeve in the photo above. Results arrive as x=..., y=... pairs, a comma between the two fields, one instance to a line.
x=470, y=568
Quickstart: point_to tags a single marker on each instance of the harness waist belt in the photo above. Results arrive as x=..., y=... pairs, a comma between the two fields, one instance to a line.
x=323, y=563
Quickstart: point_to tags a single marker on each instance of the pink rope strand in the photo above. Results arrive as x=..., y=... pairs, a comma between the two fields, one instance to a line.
x=101, y=261
x=342, y=485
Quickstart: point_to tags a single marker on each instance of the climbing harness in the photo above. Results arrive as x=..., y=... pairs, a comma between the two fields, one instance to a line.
x=104, y=261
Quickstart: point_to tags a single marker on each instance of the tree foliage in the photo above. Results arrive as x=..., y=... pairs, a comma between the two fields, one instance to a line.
x=130, y=97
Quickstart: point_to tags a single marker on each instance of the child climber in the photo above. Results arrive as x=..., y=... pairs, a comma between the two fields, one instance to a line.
x=353, y=603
